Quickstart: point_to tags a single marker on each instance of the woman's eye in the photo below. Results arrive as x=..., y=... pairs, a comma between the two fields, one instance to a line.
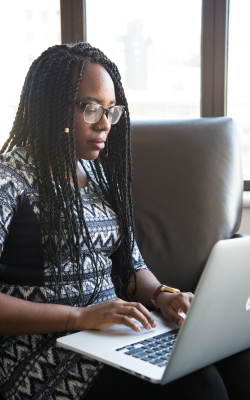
x=91, y=110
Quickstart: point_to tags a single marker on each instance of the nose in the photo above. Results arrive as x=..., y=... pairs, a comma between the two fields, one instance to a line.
x=103, y=124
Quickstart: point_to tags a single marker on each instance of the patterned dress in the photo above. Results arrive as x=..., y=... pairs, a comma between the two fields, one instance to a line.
x=33, y=366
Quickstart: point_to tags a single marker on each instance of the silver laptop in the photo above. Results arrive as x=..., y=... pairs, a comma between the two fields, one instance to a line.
x=217, y=325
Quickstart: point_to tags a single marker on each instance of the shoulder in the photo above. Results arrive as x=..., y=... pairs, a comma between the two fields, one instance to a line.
x=15, y=157
x=17, y=168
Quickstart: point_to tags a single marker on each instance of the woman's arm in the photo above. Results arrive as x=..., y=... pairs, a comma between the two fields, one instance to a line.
x=169, y=303
x=20, y=317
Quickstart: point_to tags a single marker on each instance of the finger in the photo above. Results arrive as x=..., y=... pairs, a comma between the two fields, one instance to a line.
x=125, y=320
x=175, y=317
x=191, y=296
x=149, y=318
x=147, y=314
x=133, y=312
x=183, y=301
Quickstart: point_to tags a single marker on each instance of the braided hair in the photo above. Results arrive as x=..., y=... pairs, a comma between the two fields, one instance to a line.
x=46, y=101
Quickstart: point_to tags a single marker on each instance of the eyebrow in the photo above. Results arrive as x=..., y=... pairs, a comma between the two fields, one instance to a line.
x=95, y=100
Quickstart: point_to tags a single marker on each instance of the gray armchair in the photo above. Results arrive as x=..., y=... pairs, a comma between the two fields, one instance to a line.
x=187, y=192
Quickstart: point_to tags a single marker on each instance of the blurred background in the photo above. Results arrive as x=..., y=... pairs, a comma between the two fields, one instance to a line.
x=156, y=46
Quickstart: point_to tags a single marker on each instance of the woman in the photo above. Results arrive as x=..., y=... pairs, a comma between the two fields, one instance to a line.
x=66, y=210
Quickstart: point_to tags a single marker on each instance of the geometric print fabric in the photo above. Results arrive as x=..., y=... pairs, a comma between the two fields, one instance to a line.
x=32, y=366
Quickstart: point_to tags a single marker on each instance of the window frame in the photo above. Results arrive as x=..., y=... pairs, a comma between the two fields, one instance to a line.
x=214, y=50
x=73, y=21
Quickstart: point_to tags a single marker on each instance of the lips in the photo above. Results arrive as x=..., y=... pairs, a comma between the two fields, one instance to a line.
x=98, y=140
x=98, y=143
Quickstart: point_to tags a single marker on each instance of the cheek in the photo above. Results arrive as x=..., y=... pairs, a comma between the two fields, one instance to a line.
x=81, y=132
x=80, y=125
x=79, y=121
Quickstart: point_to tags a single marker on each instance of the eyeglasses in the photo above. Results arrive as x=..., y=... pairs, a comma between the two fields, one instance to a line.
x=92, y=113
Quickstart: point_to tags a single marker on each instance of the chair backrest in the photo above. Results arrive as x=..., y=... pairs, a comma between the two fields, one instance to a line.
x=187, y=193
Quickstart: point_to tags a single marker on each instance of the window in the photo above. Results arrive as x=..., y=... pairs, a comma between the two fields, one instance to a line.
x=34, y=39
x=30, y=59
x=28, y=15
x=157, y=53
x=29, y=36
x=44, y=16
x=238, y=100
x=155, y=45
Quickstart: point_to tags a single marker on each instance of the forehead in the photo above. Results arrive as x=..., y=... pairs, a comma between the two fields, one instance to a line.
x=96, y=82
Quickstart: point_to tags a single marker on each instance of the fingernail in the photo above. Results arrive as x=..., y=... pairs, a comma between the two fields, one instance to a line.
x=180, y=322
x=149, y=327
x=138, y=329
x=154, y=324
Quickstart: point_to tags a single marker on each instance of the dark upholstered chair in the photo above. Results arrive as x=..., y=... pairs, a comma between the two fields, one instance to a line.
x=187, y=193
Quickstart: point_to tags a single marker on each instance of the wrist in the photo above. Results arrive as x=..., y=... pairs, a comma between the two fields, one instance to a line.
x=72, y=320
x=162, y=289
x=162, y=299
x=74, y=327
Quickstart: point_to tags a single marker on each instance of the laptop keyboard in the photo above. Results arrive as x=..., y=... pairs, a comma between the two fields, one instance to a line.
x=155, y=350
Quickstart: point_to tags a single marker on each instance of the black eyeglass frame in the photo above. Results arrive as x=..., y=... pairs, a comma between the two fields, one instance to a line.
x=104, y=111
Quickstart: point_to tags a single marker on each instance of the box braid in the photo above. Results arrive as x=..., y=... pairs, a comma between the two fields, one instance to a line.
x=46, y=101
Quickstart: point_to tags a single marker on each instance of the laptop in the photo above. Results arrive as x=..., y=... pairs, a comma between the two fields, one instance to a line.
x=217, y=325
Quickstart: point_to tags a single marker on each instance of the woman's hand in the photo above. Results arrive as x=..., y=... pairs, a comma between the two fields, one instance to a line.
x=173, y=303
x=111, y=313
